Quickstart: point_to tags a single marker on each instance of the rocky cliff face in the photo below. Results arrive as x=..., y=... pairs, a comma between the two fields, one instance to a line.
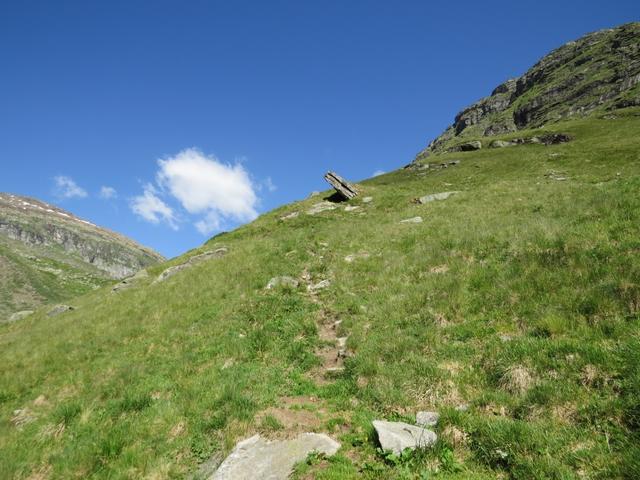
x=599, y=71
x=48, y=254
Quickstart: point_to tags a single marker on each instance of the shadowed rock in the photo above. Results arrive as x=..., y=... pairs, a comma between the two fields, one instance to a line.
x=257, y=458
x=344, y=188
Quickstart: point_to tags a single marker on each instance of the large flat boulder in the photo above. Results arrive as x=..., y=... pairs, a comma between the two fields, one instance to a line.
x=398, y=436
x=344, y=188
x=258, y=458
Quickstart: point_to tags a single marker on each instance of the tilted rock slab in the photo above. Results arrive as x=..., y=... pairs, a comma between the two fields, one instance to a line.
x=344, y=188
x=398, y=436
x=257, y=458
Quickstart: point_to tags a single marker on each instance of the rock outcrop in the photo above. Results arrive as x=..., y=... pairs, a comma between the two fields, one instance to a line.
x=600, y=70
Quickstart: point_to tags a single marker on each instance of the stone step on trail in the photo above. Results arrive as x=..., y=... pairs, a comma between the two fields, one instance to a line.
x=257, y=458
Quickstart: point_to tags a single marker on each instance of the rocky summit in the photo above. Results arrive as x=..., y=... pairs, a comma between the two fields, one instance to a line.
x=48, y=254
x=599, y=71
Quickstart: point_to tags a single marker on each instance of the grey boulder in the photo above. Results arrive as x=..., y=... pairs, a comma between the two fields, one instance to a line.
x=398, y=436
x=427, y=419
x=258, y=458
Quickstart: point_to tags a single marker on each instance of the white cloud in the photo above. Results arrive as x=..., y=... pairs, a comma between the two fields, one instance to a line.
x=65, y=187
x=378, y=172
x=151, y=208
x=108, y=192
x=205, y=186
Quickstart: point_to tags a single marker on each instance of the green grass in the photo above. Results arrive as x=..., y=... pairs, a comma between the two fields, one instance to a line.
x=519, y=298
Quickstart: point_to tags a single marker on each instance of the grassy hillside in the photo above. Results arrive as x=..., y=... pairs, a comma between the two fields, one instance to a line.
x=512, y=309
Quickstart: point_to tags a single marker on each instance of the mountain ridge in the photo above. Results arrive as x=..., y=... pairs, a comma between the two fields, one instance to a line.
x=600, y=70
x=50, y=254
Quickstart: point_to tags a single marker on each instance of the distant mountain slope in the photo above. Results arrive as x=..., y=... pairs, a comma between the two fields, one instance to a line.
x=600, y=70
x=48, y=254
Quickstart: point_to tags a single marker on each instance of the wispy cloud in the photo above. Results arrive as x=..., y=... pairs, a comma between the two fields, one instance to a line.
x=150, y=207
x=378, y=172
x=205, y=186
x=270, y=185
x=107, y=193
x=66, y=187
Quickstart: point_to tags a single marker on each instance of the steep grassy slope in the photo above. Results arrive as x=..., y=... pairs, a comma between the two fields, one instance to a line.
x=512, y=309
x=600, y=71
x=50, y=255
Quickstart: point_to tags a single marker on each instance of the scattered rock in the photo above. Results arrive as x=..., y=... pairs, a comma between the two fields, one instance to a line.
x=427, y=419
x=282, y=281
x=344, y=188
x=367, y=199
x=436, y=196
x=257, y=458
x=290, y=216
x=500, y=144
x=553, y=175
x=58, y=309
x=319, y=286
x=412, y=220
x=19, y=315
x=321, y=207
x=463, y=407
x=398, y=436
x=431, y=166
x=351, y=208
x=171, y=271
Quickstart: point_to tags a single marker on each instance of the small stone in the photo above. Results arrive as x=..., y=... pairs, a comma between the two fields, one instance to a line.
x=398, y=436
x=342, y=342
x=58, y=309
x=463, y=407
x=315, y=193
x=20, y=315
x=436, y=196
x=283, y=281
x=367, y=199
x=427, y=419
x=412, y=220
x=351, y=208
x=258, y=458
x=319, y=286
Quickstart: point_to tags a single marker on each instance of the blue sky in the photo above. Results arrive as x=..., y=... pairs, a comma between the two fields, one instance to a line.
x=171, y=120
